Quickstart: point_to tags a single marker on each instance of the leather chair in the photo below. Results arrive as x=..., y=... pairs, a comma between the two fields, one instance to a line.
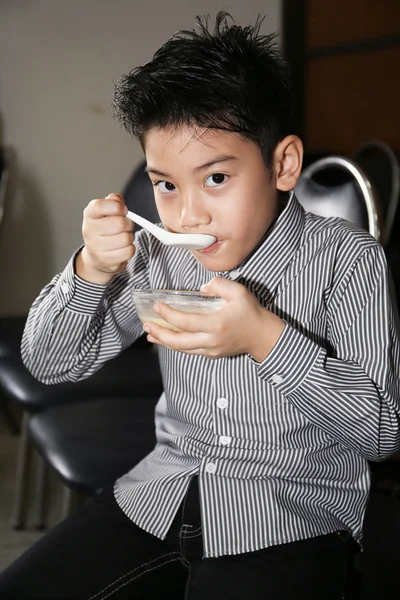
x=336, y=186
x=382, y=166
x=10, y=327
x=133, y=374
x=90, y=444
x=379, y=162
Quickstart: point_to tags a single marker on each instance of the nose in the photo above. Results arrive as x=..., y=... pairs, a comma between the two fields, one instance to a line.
x=193, y=213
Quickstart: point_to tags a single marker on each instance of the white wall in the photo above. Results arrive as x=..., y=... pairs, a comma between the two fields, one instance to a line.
x=58, y=62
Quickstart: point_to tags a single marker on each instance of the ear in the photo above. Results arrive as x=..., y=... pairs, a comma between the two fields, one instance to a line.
x=288, y=159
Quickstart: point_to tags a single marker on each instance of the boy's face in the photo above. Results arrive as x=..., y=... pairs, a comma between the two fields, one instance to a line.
x=214, y=182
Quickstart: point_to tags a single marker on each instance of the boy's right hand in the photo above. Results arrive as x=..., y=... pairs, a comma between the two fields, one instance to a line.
x=108, y=237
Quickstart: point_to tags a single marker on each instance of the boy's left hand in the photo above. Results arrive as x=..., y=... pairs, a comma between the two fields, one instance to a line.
x=241, y=326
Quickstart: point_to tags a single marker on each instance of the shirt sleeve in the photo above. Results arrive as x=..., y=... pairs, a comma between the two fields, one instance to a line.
x=74, y=326
x=351, y=388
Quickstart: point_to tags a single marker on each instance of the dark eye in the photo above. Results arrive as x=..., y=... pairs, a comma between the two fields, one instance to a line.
x=215, y=179
x=165, y=187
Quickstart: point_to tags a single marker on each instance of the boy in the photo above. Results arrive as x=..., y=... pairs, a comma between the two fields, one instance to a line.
x=273, y=405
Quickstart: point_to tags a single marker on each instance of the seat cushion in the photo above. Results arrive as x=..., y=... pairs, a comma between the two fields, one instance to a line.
x=91, y=444
x=11, y=330
x=134, y=372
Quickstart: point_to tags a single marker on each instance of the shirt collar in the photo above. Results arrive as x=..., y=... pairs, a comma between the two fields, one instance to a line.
x=270, y=259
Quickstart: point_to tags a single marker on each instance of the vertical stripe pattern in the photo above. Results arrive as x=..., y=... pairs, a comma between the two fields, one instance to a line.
x=280, y=447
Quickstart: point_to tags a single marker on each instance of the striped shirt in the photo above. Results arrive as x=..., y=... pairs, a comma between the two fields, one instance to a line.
x=280, y=447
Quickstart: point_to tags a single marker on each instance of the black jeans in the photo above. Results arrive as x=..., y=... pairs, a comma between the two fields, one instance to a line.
x=99, y=553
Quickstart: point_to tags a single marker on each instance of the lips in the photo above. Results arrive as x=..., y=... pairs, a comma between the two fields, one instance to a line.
x=213, y=248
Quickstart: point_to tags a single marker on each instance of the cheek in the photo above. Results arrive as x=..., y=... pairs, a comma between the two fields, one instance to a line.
x=240, y=223
x=246, y=227
x=166, y=211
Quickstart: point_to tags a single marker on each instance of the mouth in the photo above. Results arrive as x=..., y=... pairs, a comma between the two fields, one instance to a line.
x=210, y=249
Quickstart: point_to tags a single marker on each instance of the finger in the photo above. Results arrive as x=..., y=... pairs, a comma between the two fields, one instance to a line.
x=115, y=225
x=109, y=243
x=201, y=351
x=181, y=341
x=116, y=257
x=116, y=196
x=225, y=288
x=104, y=207
x=190, y=322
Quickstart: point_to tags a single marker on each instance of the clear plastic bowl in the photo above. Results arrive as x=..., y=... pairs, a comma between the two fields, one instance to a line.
x=189, y=302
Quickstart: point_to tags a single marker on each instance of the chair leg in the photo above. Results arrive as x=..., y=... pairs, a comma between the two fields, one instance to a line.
x=9, y=417
x=17, y=517
x=40, y=489
x=68, y=502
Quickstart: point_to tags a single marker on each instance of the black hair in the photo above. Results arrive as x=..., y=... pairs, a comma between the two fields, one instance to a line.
x=232, y=78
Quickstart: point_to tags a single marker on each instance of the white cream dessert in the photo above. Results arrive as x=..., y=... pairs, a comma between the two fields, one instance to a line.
x=184, y=301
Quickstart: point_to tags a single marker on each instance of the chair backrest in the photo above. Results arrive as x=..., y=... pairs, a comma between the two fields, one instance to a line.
x=337, y=187
x=139, y=195
x=379, y=162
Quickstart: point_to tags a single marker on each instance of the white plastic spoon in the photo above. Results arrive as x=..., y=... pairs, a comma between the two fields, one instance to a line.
x=191, y=241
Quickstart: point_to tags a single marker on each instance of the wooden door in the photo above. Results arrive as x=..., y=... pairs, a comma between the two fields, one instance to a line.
x=346, y=61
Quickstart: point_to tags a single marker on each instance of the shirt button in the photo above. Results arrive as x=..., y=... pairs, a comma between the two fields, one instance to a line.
x=211, y=467
x=222, y=403
x=234, y=274
x=225, y=440
x=277, y=379
x=65, y=288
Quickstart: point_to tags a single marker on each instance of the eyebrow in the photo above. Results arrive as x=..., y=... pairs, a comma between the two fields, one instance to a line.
x=207, y=165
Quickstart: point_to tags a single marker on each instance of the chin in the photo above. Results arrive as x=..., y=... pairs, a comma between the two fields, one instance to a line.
x=213, y=263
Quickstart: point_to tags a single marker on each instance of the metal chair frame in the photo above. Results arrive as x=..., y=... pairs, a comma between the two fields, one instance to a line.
x=393, y=202
x=371, y=203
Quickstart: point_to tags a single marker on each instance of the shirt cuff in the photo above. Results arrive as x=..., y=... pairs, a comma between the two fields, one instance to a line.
x=74, y=293
x=290, y=361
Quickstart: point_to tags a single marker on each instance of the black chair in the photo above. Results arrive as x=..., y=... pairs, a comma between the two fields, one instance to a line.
x=10, y=327
x=337, y=187
x=90, y=444
x=379, y=162
x=139, y=195
x=134, y=374
x=382, y=166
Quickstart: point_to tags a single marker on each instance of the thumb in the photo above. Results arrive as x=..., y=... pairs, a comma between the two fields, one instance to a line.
x=120, y=199
x=218, y=286
x=115, y=196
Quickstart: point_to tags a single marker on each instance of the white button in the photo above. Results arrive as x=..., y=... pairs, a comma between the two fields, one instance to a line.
x=65, y=288
x=277, y=379
x=211, y=467
x=225, y=440
x=234, y=274
x=222, y=403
